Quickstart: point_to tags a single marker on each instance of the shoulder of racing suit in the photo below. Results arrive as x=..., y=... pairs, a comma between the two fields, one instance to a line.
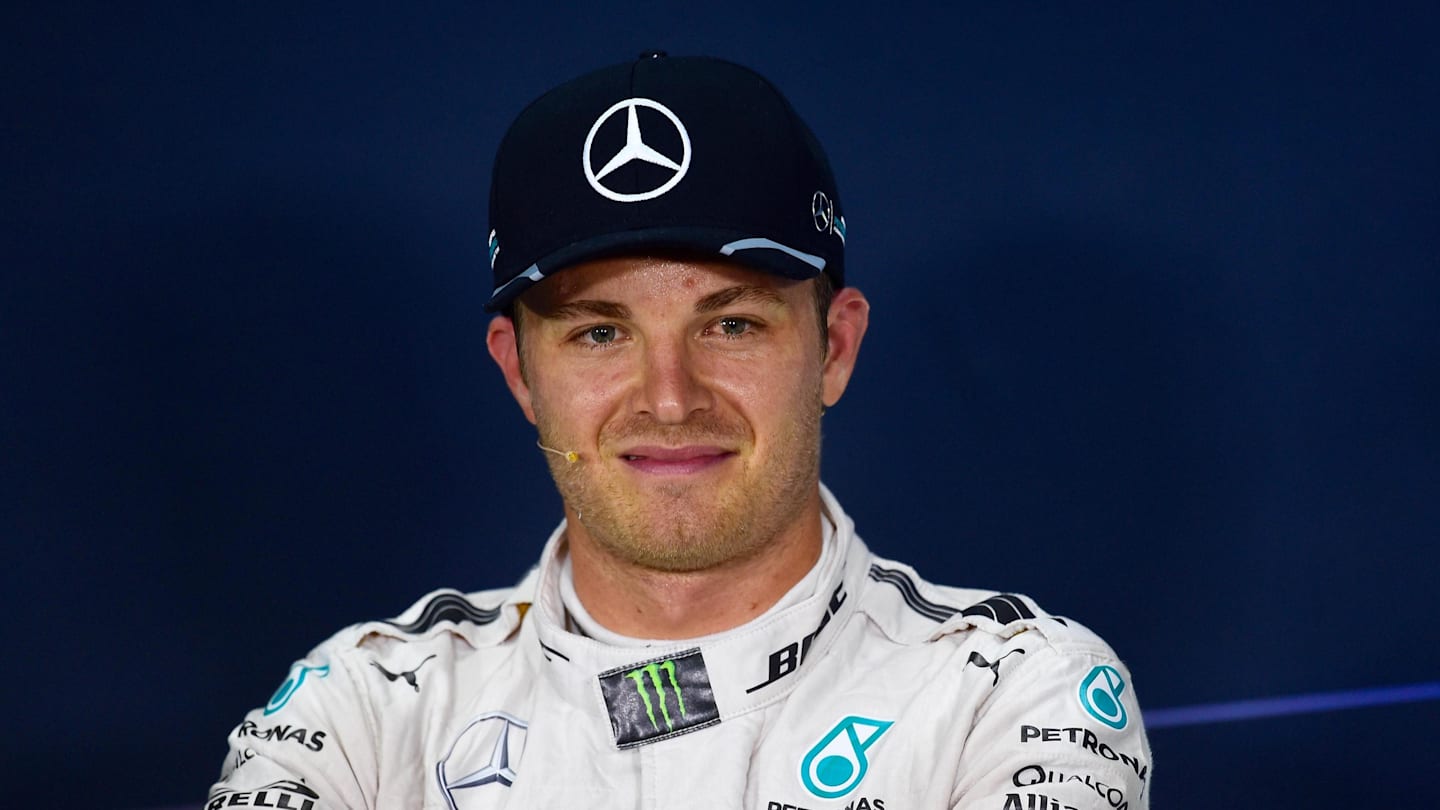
x=910, y=610
x=478, y=619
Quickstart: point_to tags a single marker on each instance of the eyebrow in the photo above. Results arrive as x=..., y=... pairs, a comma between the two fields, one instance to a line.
x=738, y=294
x=592, y=308
x=587, y=308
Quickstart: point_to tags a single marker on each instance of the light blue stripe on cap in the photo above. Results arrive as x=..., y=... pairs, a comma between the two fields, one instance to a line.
x=760, y=243
x=533, y=274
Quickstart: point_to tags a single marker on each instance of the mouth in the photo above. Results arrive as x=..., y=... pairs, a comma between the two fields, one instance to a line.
x=655, y=460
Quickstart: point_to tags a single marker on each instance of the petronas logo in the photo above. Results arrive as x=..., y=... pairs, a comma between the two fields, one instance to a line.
x=834, y=766
x=652, y=672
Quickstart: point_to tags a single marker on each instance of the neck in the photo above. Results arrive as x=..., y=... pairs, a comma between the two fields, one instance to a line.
x=645, y=603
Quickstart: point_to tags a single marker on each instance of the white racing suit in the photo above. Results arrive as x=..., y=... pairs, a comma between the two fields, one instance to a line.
x=879, y=691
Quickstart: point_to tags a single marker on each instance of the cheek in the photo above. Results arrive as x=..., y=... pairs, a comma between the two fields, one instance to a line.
x=772, y=392
x=575, y=399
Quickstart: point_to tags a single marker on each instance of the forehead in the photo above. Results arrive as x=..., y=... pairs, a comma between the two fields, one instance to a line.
x=637, y=280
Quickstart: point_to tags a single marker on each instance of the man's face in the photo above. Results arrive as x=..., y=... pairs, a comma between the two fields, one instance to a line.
x=692, y=392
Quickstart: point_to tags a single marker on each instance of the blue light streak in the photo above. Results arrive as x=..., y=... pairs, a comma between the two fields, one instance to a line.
x=1207, y=713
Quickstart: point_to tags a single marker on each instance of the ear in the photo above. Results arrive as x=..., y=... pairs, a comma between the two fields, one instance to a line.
x=848, y=320
x=500, y=339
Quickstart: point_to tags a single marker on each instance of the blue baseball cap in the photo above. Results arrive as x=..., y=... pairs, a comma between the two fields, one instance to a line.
x=688, y=154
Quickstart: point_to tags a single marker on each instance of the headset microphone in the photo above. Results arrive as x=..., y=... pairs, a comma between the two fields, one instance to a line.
x=569, y=455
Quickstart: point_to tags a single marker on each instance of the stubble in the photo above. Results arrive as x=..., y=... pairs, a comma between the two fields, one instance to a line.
x=684, y=526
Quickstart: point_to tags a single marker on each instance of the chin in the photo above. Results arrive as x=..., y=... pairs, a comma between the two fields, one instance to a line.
x=678, y=537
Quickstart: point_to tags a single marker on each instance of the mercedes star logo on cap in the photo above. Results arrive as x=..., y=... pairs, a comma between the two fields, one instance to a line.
x=823, y=211
x=634, y=149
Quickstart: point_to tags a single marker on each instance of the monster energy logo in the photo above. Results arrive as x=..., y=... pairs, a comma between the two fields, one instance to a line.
x=657, y=699
x=653, y=671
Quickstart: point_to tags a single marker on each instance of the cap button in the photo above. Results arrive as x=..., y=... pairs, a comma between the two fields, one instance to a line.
x=653, y=54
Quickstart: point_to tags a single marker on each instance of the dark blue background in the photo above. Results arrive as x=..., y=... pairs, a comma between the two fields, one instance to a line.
x=1154, y=340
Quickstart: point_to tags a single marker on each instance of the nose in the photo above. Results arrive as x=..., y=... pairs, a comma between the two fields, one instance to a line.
x=671, y=388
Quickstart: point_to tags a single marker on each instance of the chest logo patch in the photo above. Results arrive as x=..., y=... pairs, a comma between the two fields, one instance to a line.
x=486, y=752
x=834, y=766
x=658, y=699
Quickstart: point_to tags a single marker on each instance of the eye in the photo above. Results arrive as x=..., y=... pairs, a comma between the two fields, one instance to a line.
x=733, y=327
x=604, y=333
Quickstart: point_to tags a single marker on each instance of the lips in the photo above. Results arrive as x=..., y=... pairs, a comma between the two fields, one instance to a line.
x=656, y=460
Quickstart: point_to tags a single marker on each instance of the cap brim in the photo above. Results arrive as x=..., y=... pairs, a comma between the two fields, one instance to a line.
x=749, y=250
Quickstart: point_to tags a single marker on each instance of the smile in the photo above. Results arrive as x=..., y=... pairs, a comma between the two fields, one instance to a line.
x=674, y=460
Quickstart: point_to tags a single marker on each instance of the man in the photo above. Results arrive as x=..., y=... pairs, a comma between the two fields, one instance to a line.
x=704, y=628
